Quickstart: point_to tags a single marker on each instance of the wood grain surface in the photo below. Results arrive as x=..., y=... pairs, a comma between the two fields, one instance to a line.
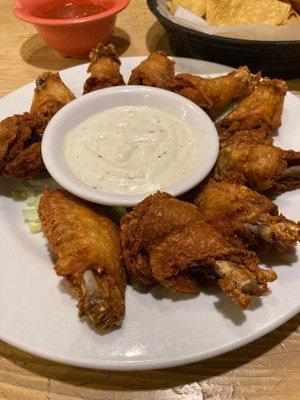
x=268, y=369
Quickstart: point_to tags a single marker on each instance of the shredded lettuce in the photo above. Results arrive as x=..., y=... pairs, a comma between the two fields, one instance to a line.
x=138, y=286
x=116, y=212
x=30, y=213
x=30, y=195
x=224, y=113
x=121, y=211
x=18, y=195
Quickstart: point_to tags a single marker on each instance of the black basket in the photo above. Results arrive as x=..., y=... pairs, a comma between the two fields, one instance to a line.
x=279, y=59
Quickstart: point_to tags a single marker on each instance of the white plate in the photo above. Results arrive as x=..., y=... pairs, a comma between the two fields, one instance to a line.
x=38, y=314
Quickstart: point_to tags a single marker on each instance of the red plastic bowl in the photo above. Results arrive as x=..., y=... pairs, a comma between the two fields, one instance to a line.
x=73, y=37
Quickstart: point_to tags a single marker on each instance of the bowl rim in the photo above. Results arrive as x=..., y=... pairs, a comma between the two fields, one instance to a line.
x=73, y=184
x=152, y=4
x=22, y=13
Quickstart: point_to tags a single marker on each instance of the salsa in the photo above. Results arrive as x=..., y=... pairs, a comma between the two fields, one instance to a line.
x=65, y=9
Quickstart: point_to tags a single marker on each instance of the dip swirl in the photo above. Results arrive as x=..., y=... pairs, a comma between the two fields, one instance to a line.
x=132, y=150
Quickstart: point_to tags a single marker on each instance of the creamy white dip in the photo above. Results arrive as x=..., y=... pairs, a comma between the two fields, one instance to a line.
x=132, y=150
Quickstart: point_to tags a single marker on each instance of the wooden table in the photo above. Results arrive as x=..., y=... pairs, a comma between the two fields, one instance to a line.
x=268, y=369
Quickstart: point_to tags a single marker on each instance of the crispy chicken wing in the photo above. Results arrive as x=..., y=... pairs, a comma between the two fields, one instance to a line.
x=104, y=69
x=260, y=166
x=254, y=218
x=156, y=70
x=89, y=254
x=50, y=95
x=214, y=95
x=259, y=112
x=20, y=135
x=168, y=241
x=28, y=164
x=20, y=149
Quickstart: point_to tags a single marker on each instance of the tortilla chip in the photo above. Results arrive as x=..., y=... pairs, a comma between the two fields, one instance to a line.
x=242, y=12
x=293, y=17
x=197, y=7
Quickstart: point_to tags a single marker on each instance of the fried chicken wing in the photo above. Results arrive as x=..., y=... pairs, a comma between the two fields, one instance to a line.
x=260, y=166
x=260, y=112
x=156, y=70
x=89, y=254
x=21, y=135
x=50, y=95
x=251, y=216
x=214, y=95
x=168, y=241
x=28, y=164
x=104, y=69
x=20, y=149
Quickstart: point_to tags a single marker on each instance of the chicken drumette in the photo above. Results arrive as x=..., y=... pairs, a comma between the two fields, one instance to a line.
x=253, y=218
x=259, y=165
x=20, y=135
x=50, y=95
x=104, y=69
x=259, y=113
x=215, y=94
x=168, y=241
x=156, y=70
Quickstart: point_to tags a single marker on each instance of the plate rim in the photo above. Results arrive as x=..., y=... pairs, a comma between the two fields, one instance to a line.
x=135, y=365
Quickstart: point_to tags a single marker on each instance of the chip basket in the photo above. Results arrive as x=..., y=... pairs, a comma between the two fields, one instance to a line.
x=279, y=59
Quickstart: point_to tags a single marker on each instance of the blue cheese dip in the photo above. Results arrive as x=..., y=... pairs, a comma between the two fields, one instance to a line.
x=132, y=150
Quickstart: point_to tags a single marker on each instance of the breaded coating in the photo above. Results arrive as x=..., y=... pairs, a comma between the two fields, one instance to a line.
x=236, y=209
x=20, y=149
x=260, y=111
x=168, y=241
x=213, y=95
x=21, y=135
x=156, y=70
x=104, y=69
x=89, y=255
x=152, y=219
x=50, y=95
x=259, y=135
x=260, y=166
x=28, y=164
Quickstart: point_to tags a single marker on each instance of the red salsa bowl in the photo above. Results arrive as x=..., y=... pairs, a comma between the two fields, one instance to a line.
x=71, y=27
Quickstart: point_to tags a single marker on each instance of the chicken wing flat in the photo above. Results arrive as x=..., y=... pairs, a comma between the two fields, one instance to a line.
x=50, y=95
x=260, y=111
x=215, y=94
x=249, y=215
x=168, y=241
x=104, y=69
x=89, y=254
x=156, y=70
x=21, y=135
x=260, y=166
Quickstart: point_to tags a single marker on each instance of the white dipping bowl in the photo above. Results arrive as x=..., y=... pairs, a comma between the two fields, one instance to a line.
x=90, y=104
